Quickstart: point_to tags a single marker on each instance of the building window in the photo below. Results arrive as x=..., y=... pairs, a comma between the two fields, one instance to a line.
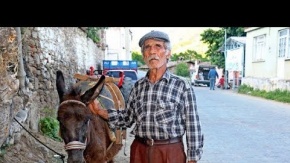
x=259, y=48
x=284, y=44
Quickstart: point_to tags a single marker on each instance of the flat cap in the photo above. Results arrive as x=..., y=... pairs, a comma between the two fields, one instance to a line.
x=154, y=34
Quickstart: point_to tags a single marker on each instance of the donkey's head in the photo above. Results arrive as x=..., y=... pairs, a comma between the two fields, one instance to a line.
x=75, y=91
x=74, y=116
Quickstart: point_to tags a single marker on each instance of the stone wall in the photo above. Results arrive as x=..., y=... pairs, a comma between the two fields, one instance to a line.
x=44, y=50
x=9, y=85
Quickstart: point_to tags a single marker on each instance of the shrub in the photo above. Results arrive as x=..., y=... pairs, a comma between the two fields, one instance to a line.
x=277, y=95
x=49, y=126
x=182, y=70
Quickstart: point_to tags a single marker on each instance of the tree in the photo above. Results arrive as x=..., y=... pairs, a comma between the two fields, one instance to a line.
x=93, y=33
x=215, y=40
x=188, y=55
x=138, y=57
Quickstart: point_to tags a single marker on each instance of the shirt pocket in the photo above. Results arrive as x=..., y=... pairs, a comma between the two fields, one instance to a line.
x=165, y=113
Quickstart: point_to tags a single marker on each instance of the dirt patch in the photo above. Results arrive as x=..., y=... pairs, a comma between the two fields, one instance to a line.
x=29, y=150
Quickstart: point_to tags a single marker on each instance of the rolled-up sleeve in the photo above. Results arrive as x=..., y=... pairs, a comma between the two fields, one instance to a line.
x=194, y=136
x=122, y=118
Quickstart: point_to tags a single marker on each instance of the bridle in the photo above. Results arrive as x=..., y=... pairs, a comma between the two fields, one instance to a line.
x=75, y=144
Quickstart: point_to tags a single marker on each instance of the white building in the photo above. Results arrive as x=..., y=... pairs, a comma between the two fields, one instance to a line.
x=267, y=60
x=118, y=43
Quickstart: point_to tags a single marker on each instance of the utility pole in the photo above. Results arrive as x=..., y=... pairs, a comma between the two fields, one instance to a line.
x=225, y=54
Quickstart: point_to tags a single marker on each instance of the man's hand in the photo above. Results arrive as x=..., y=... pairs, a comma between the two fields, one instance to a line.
x=103, y=113
x=97, y=108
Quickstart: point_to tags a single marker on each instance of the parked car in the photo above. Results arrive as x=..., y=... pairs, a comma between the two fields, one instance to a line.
x=128, y=73
x=200, y=76
x=141, y=73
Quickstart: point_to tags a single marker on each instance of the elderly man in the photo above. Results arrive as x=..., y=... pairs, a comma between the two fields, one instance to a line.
x=163, y=108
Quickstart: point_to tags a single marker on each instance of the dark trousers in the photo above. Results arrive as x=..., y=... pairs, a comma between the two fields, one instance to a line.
x=212, y=83
x=168, y=153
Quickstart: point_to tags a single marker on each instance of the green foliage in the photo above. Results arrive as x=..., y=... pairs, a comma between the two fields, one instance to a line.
x=3, y=150
x=215, y=40
x=182, y=70
x=188, y=55
x=138, y=57
x=277, y=95
x=93, y=33
x=235, y=31
x=49, y=126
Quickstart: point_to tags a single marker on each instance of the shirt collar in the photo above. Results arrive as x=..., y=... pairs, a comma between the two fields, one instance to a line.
x=166, y=76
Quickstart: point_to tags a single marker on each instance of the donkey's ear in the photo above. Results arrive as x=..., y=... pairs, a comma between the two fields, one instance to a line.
x=60, y=84
x=91, y=94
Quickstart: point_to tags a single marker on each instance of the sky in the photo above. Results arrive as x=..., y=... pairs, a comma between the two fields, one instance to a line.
x=138, y=32
x=178, y=36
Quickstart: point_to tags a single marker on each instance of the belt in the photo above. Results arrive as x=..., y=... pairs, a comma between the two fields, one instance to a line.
x=151, y=142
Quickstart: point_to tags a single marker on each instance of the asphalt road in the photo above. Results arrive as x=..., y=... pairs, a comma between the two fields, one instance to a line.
x=238, y=128
x=243, y=129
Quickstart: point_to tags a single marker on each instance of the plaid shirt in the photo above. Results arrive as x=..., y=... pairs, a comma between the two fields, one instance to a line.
x=162, y=110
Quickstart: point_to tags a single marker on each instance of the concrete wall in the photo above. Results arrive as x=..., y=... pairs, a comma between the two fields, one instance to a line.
x=119, y=43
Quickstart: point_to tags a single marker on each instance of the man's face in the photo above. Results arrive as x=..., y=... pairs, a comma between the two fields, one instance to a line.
x=154, y=54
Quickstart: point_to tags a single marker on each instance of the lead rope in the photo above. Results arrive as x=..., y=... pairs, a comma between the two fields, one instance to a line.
x=61, y=155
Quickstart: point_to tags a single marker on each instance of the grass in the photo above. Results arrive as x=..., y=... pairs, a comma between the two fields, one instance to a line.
x=276, y=95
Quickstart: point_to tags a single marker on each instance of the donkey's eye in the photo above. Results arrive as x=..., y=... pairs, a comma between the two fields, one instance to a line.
x=87, y=121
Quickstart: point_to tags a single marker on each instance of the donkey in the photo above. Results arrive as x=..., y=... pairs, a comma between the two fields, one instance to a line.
x=86, y=135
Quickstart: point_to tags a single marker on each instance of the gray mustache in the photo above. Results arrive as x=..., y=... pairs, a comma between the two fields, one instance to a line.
x=152, y=57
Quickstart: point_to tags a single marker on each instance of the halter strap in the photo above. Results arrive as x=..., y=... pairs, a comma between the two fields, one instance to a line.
x=72, y=101
x=76, y=144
